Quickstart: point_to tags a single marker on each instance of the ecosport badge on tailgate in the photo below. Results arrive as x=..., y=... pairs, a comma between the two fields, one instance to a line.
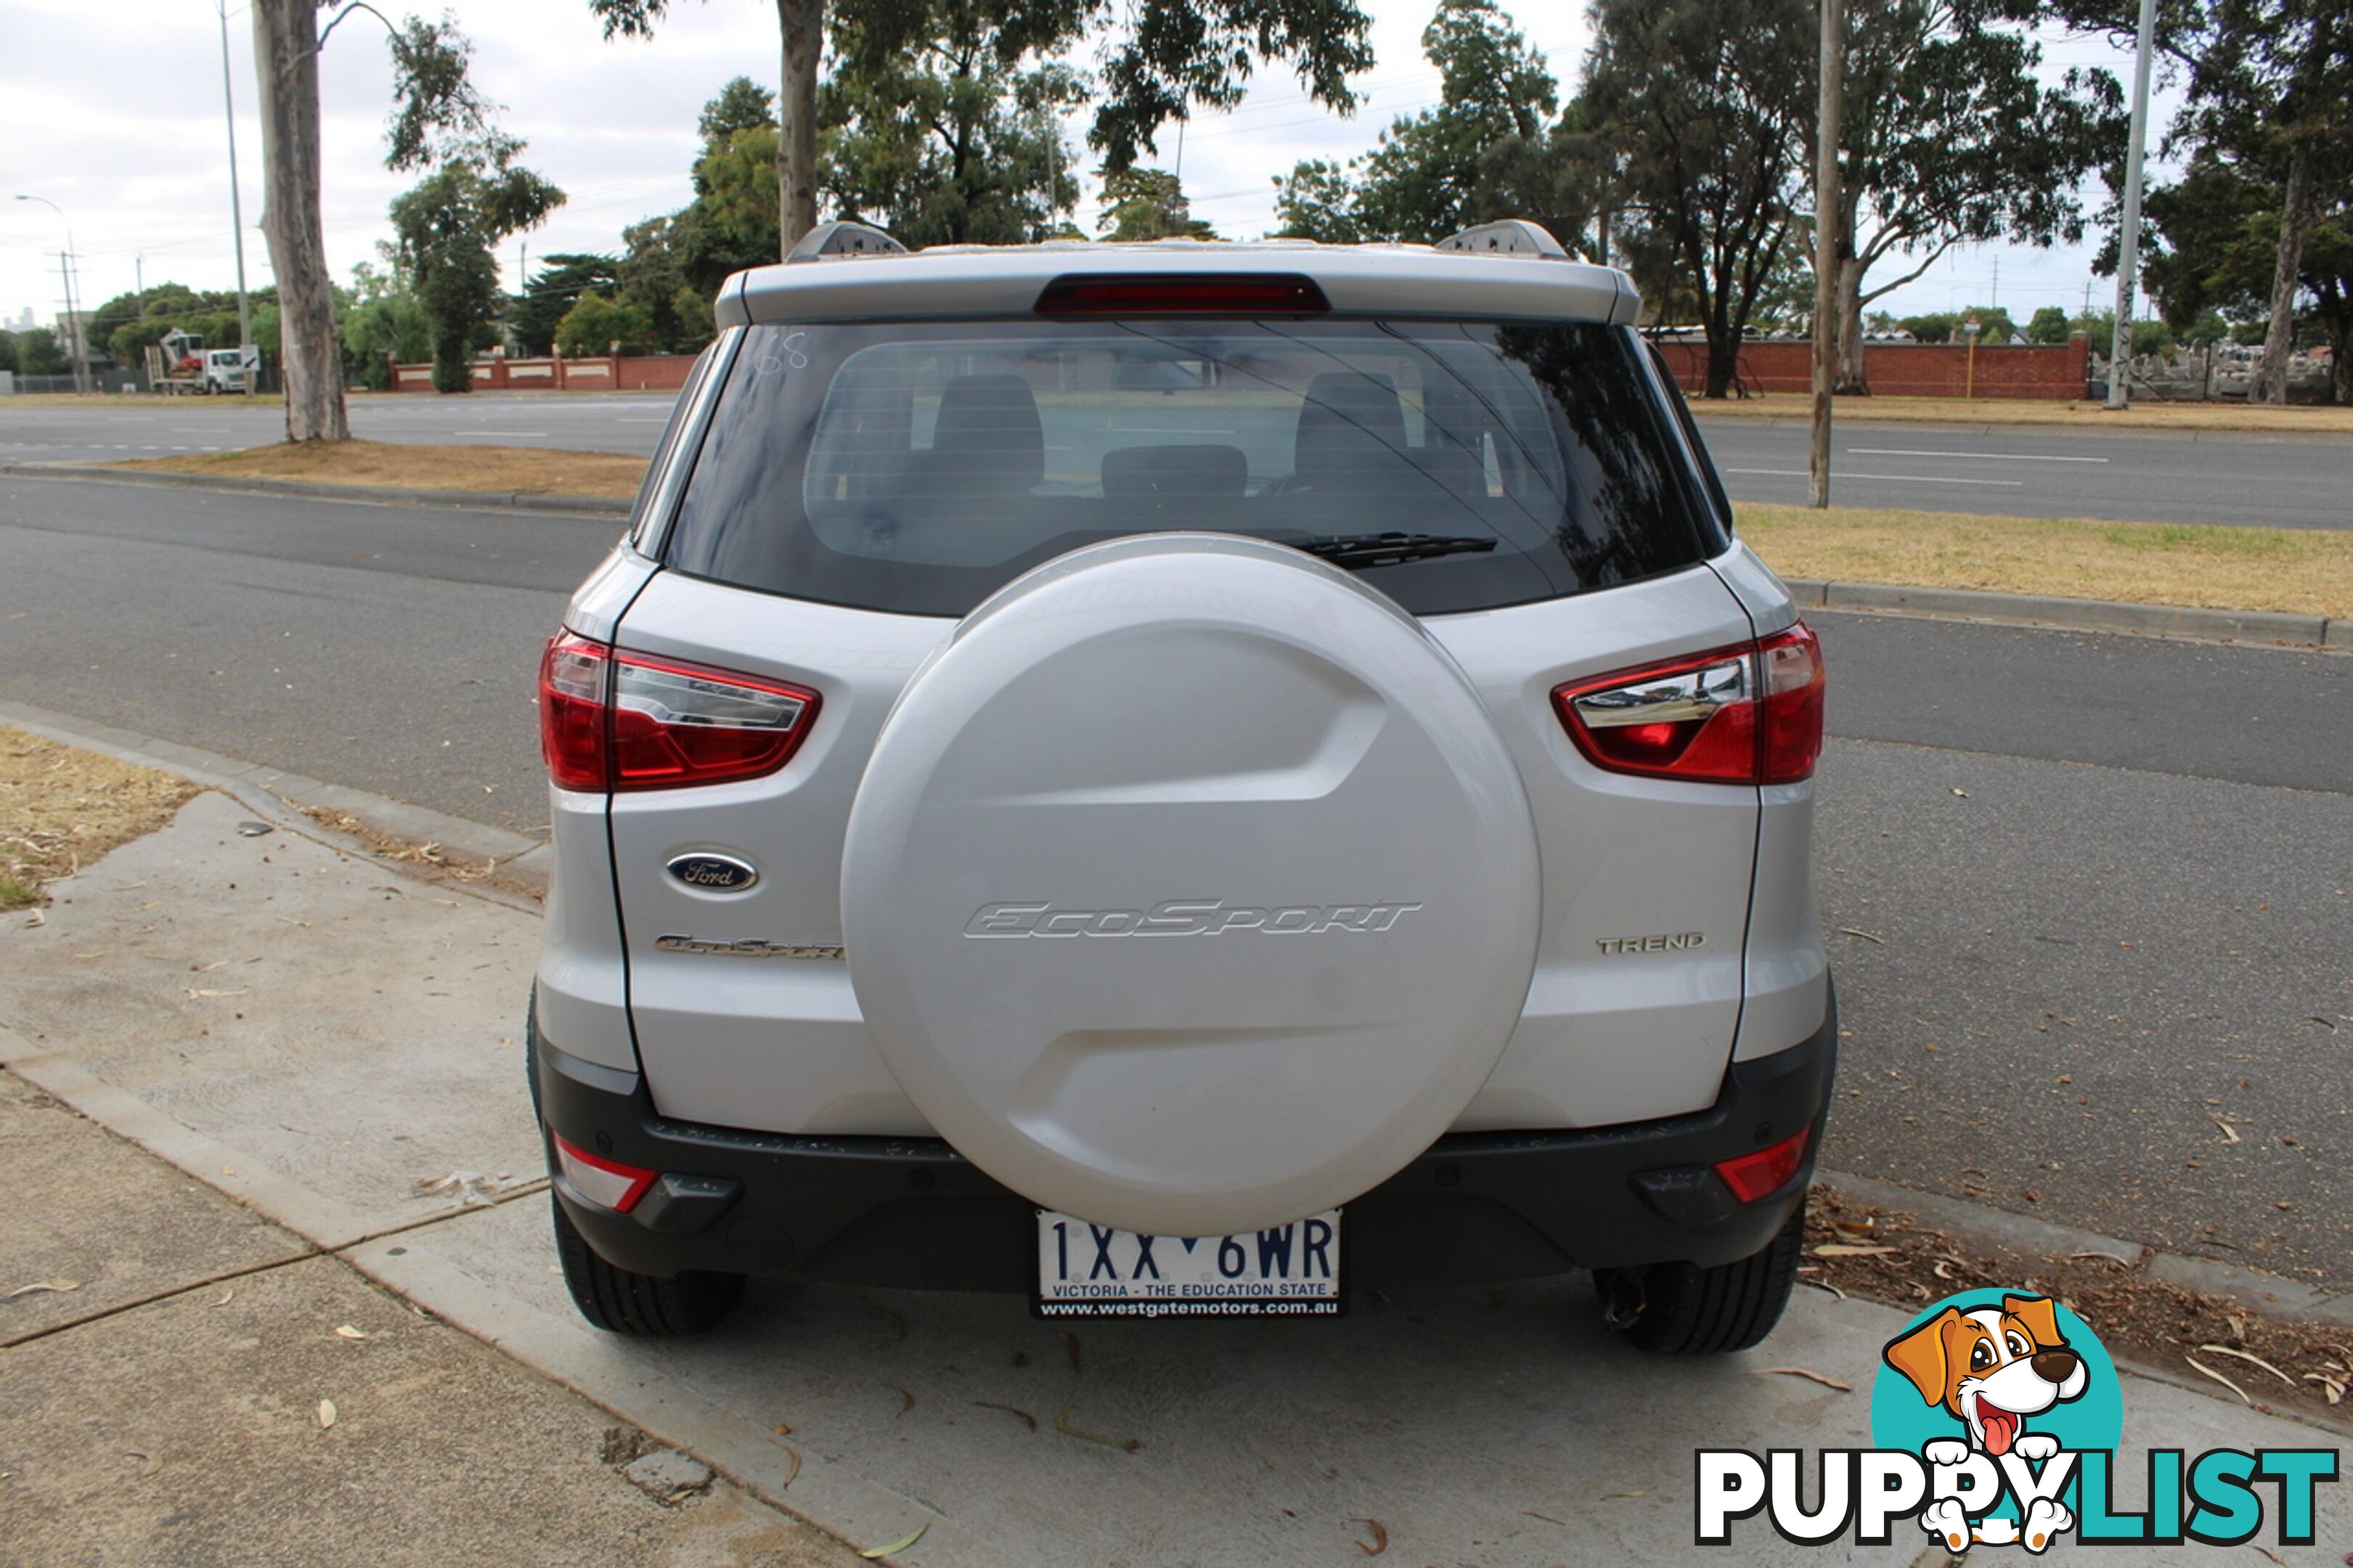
x=1182, y=917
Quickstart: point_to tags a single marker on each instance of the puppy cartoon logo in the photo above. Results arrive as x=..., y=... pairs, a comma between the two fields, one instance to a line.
x=2000, y=1394
x=1991, y=1368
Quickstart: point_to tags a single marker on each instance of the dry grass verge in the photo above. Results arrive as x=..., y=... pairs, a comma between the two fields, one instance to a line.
x=62, y=808
x=2299, y=1369
x=2085, y=416
x=490, y=471
x=2300, y=570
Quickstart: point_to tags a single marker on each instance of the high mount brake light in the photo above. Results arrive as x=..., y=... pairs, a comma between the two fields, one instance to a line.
x=1183, y=294
x=612, y=720
x=1748, y=714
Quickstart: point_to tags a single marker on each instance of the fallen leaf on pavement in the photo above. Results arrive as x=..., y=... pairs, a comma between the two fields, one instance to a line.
x=350, y=1332
x=871, y=1553
x=909, y=1399
x=2252, y=1359
x=326, y=1414
x=2230, y=1133
x=1062, y=1425
x=2217, y=1378
x=1852, y=1249
x=1380, y=1537
x=39, y=1286
x=1022, y=1415
x=1821, y=1378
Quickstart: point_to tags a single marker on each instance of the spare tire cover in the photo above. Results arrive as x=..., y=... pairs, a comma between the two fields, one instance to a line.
x=1190, y=888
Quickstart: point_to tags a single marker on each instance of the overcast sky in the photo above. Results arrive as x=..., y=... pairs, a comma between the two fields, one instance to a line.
x=113, y=111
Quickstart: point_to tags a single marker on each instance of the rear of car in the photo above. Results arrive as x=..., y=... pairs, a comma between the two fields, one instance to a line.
x=1182, y=741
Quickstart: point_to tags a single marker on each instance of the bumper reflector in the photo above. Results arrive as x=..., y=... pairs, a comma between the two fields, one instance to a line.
x=1762, y=1173
x=607, y=1184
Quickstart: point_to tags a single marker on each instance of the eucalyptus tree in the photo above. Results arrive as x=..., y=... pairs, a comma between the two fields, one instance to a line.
x=1160, y=59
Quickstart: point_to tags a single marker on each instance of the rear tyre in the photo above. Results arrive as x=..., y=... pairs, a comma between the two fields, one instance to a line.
x=1680, y=1309
x=638, y=1305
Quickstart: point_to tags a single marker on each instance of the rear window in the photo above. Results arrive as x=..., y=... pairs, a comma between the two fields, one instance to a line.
x=918, y=468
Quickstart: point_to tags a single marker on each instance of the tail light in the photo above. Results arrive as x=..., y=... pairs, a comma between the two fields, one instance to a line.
x=612, y=720
x=1750, y=714
x=1762, y=1173
x=607, y=1184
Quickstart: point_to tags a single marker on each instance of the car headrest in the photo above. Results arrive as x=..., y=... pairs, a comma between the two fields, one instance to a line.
x=1350, y=426
x=988, y=424
x=1176, y=470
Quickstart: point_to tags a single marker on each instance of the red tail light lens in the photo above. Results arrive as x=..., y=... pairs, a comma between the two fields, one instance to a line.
x=1763, y=1173
x=1789, y=728
x=605, y=1183
x=1750, y=714
x=1183, y=294
x=612, y=720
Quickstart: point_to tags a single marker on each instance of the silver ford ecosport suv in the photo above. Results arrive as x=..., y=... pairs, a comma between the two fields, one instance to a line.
x=1183, y=779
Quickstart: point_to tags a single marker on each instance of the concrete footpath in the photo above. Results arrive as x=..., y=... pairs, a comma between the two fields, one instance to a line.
x=334, y=1051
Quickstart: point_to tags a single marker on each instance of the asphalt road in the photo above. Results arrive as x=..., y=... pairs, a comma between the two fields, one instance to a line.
x=2091, y=898
x=2144, y=475
x=104, y=432
x=2158, y=477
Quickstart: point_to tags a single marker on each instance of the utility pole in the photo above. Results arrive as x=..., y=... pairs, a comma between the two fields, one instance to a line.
x=73, y=324
x=65, y=276
x=246, y=360
x=1995, y=303
x=2128, y=238
x=1826, y=249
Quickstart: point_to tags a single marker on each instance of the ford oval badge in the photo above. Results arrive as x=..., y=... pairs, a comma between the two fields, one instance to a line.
x=714, y=873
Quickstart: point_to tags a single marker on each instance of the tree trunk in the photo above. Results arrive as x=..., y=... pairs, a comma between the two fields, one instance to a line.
x=310, y=360
x=2295, y=217
x=804, y=29
x=1851, y=378
x=1722, y=363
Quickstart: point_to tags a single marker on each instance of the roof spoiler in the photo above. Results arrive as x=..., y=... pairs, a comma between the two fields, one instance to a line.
x=1508, y=237
x=842, y=238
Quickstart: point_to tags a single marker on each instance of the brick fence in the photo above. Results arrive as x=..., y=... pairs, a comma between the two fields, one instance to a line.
x=604, y=373
x=1904, y=370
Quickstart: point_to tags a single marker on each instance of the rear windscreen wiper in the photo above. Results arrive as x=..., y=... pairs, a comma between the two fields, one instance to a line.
x=1388, y=548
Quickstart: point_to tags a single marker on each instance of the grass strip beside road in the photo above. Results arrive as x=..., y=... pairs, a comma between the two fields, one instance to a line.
x=2298, y=571
x=489, y=470
x=62, y=808
x=2079, y=417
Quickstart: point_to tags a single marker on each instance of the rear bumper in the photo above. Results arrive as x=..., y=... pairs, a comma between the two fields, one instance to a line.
x=913, y=1213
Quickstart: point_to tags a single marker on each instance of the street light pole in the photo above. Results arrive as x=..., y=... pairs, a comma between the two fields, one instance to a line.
x=2128, y=237
x=236, y=214
x=73, y=316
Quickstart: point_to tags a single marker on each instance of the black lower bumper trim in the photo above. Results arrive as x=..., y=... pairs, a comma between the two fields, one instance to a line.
x=913, y=1213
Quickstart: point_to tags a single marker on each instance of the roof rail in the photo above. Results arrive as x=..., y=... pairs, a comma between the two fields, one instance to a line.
x=843, y=238
x=1508, y=237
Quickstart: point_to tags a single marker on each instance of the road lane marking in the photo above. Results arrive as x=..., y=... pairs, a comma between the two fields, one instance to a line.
x=1990, y=456
x=627, y=421
x=500, y=432
x=1900, y=478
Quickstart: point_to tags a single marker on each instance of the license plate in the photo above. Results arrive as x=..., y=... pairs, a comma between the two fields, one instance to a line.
x=1088, y=1270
